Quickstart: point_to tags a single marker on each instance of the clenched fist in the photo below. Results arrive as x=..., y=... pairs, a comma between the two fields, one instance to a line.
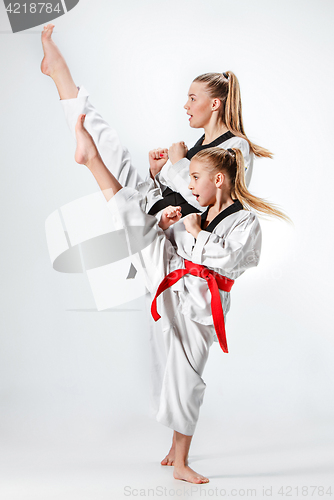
x=192, y=223
x=177, y=151
x=169, y=216
x=157, y=158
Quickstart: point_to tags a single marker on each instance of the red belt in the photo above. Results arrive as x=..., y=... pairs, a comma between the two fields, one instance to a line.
x=215, y=283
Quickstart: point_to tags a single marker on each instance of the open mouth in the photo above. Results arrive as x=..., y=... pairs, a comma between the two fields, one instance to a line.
x=196, y=196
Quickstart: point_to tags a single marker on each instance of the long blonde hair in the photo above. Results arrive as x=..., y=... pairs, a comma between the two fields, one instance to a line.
x=231, y=162
x=225, y=87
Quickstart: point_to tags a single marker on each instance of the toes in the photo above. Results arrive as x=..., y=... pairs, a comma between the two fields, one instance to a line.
x=167, y=461
x=80, y=121
x=203, y=479
x=48, y=29
x=200, y=480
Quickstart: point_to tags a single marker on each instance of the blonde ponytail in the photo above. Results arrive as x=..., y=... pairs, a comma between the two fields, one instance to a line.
x=233, y=109
x=247, y=199
x=231, y=162
x=225, y=87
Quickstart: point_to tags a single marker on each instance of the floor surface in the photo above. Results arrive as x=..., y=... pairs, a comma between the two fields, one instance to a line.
x=280, y=461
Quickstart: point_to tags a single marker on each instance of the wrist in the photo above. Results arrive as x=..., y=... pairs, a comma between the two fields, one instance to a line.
x=154, y=171
x=163, y=224
x=195, y=232
x=175, y=159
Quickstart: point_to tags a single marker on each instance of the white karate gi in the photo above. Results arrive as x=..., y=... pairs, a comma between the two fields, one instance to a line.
x=182, y=345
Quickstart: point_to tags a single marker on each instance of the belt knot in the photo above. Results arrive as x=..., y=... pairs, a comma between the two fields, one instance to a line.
x=215, y=283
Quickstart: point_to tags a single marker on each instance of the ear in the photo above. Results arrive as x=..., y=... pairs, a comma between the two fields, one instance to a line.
x=216, y=103
x=219, y=180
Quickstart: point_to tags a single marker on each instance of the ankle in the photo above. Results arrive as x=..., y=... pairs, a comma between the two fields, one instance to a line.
x=93, y=161
x=180, y=464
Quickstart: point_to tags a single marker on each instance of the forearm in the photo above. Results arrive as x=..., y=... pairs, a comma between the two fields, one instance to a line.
x=195, y=231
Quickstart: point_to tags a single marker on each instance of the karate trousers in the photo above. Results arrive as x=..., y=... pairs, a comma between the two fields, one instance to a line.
x=179, y=345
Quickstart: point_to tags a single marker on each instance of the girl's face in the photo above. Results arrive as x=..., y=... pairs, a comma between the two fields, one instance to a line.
x=202, y=183
x=199, y=105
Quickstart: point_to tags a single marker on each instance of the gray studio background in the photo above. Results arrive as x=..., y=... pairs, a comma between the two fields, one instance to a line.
x=74, y=381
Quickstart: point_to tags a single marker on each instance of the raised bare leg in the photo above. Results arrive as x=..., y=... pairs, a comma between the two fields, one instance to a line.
x=181, y=469
x=87, y=154
x=54, y=65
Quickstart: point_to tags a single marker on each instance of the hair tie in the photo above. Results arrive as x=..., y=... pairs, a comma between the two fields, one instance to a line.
x=231, y=151
x=226, y=75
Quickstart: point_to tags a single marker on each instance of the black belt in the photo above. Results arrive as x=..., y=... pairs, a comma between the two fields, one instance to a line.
x=176, y=200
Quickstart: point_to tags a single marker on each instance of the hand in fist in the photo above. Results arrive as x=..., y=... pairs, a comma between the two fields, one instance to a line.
x=157, y=158
x=169, y=216
x=177, y=151
x=192, y=223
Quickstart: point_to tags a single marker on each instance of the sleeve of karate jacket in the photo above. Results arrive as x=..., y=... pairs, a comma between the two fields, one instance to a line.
x=114, y=155
x=151, y=252
x=232, y=253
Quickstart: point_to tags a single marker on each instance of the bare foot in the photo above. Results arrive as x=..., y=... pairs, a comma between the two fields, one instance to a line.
x=86, y=150
x=185, y=473
x=54, y=65
x=53, y=60
x=169, y=459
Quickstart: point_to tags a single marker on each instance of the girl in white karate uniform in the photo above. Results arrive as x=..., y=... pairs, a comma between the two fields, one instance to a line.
x=187, y=258
x=213, y=104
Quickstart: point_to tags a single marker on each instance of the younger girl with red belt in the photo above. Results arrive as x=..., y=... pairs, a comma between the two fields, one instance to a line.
x=189, y=267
